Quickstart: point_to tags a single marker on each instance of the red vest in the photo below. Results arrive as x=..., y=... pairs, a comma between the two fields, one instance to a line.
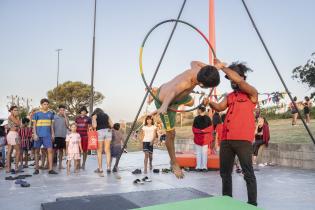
x=203, y=136
x=218, y=130
x=239, y=123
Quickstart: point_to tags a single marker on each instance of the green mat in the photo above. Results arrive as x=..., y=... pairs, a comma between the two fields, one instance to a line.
x=212, y=203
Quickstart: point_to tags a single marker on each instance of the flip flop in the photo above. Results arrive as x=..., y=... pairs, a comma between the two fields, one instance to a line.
x=10, y=178
x=166, y=170
x=19, y=181
x=146, y=179
x=25, y=184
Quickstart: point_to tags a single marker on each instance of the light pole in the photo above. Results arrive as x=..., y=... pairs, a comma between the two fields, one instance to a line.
x=58, y=51
x=93, y=56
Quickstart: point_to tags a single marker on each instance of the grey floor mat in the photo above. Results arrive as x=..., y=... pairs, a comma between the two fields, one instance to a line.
x=122, y=201
x=108, y=202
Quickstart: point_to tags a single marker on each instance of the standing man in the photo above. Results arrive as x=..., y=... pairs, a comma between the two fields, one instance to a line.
x=61, y=125
x=83, y=124
x=43, y=129
x=238, y=131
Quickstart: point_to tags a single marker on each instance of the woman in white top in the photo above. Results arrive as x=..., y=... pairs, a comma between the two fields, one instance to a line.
x=148, y=134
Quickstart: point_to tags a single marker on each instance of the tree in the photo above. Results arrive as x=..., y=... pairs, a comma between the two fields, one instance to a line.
x=73, y=95
x=22, y=103
x=306, y=73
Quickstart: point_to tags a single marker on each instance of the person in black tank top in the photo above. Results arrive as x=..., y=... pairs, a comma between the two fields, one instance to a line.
x=307, y=108
x=103, y=124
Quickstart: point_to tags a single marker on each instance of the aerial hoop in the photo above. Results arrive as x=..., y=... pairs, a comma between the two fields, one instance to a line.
x=141, y=53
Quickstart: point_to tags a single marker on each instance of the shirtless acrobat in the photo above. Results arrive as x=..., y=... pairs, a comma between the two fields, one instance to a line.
x=176, y=92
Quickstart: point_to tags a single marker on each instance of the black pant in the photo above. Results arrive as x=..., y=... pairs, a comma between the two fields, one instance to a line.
x=257, y=145
x=244, y=152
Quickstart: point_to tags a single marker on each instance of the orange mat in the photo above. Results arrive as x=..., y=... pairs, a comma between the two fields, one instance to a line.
x=188, y=159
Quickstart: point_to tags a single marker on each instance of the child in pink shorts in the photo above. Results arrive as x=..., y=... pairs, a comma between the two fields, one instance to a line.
x=74, y=148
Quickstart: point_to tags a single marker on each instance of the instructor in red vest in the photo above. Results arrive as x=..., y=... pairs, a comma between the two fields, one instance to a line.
x=238, y=131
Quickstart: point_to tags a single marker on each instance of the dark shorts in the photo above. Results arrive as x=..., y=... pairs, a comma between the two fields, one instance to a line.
x=163, y=137
x=147, y=147
x=115, y=150
x=84, y=143
x=60, y=143
x=306, y=110
x=294, y=111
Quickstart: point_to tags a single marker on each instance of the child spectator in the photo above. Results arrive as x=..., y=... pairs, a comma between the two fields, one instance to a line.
x=83, y=124
x=117, y=141
x=148, y=134
x=26, y=141
x=73, y=148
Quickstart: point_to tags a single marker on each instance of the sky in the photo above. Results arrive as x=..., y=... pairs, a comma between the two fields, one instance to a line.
x=32, y=30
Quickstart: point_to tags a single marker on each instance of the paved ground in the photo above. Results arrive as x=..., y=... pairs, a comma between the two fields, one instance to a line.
x=278, y=188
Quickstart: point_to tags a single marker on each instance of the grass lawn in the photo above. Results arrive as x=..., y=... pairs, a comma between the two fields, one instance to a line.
x=281, y=131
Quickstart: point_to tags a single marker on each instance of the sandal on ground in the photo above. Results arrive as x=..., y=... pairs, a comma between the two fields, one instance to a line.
x=146, y=179
x=98, y=171
x=156, y=170
x=137, y=171
x=19, y=181
x=10, y=178
x=166, y=170
x=138, y=181
x=25, y=184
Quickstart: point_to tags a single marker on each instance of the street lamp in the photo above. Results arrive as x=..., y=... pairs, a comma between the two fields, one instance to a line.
x=93, y=56
x=58, y=51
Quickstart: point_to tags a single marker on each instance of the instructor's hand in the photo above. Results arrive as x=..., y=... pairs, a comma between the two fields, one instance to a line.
x=218, y=64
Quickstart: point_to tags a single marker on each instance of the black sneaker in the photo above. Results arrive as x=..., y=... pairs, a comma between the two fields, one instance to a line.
x=52, y=172
x=137, y=171
x=108, y=171
x=36, y=172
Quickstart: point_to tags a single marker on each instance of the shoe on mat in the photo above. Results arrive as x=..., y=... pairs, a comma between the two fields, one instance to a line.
x=52, y=172
x=36, y=172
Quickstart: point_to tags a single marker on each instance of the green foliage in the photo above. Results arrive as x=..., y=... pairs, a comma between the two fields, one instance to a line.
x=73, y=95
x=306, y=73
